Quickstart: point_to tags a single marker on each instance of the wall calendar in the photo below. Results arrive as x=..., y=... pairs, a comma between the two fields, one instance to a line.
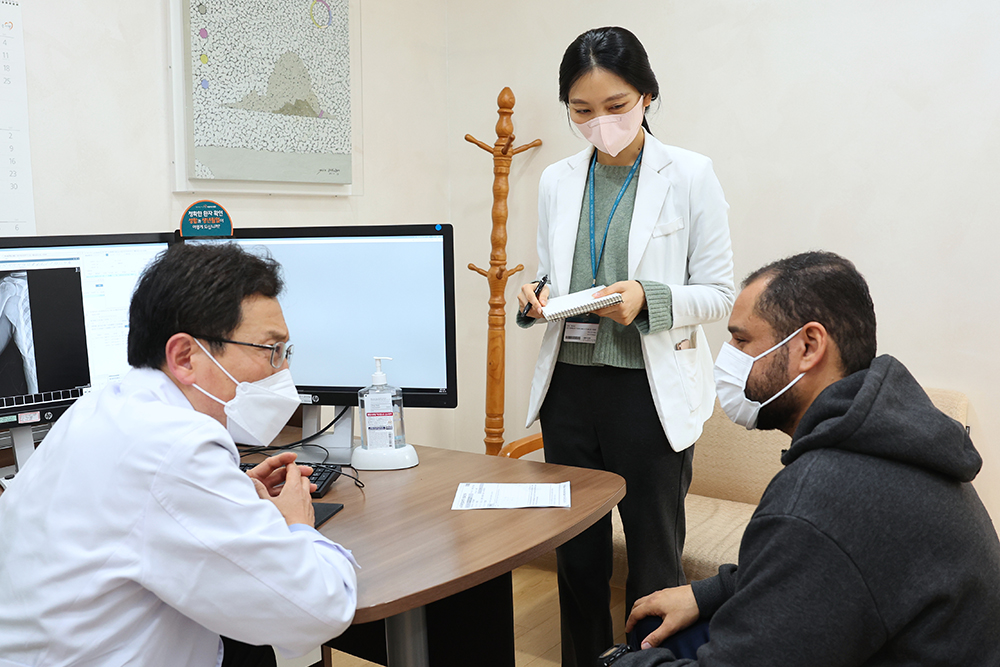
x=17, y=207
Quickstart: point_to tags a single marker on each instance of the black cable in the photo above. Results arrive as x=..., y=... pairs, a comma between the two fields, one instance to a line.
x=246, y=451
x=357, y=480
x=320, y=432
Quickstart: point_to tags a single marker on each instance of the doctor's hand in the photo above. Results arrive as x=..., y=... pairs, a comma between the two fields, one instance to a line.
x=633, y=301
x=527, y=295
x=676, y=606
x=293, y=501
x=271, y=472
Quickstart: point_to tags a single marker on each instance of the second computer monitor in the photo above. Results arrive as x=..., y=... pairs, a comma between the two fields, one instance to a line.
x=354, y=293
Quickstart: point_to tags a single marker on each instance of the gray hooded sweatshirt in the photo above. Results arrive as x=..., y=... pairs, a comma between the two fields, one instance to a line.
x=870, y=547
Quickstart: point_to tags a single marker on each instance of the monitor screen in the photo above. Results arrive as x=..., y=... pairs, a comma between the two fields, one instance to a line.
x=64, y=304
x=354, y=293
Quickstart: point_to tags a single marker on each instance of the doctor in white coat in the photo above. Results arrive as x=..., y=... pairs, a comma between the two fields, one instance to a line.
x=629, y=387
x=131, y=537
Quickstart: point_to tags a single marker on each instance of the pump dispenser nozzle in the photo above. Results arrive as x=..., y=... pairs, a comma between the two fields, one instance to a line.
x=378, y=377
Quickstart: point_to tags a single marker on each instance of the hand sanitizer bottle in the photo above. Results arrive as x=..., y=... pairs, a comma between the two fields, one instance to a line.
x=382, y=412
x=383, y=440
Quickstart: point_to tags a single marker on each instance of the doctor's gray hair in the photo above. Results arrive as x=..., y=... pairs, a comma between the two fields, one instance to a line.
x=196, y=289
x=820, y=287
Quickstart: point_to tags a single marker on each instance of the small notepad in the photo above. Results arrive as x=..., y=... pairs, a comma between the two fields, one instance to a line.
x=578, y=303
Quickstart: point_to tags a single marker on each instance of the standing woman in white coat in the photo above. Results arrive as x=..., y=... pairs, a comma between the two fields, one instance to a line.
x=628, y=388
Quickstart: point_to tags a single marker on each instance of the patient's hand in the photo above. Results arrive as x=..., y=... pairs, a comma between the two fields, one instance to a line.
x=676, y=606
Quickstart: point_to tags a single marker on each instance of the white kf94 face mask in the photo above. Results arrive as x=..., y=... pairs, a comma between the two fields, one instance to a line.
x=260, y=409
x=732, y=369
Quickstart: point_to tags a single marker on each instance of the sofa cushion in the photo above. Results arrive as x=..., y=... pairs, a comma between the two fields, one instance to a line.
x=714, y=530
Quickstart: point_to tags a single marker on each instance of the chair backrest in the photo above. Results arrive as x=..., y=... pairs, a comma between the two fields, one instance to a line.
x=733, y=463
x=953, y=403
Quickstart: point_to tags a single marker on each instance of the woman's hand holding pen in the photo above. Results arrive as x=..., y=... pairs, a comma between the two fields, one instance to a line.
x=633, y=301
x=527, y=296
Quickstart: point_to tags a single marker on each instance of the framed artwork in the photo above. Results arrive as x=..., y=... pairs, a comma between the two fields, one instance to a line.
x=266, y=96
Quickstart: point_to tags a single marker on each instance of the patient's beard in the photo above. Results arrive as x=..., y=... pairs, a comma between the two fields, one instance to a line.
x=778, y=414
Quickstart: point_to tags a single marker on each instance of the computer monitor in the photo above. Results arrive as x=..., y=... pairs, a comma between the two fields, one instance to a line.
x=64, y=304
x=354, y=293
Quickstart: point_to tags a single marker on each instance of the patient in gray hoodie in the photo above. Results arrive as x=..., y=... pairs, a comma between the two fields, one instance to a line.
x=871, y=547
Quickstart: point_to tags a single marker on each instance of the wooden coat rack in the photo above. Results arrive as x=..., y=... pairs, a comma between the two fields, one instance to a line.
x=498, y=274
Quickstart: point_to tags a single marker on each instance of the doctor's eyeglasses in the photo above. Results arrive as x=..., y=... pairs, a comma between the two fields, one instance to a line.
x=280, y=351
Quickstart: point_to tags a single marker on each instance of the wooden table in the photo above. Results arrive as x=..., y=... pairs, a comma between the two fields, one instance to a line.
x=414, y=549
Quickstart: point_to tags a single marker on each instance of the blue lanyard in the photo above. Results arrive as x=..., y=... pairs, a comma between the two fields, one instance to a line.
x=595, y=259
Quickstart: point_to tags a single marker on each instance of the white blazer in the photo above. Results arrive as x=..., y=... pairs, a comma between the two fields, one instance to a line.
x=680, y=237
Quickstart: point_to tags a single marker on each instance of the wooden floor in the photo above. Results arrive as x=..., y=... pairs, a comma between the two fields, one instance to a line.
x=536, y=616
x=536, y=619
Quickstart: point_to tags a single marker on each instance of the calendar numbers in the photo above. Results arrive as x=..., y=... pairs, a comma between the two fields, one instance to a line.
x=17, y=208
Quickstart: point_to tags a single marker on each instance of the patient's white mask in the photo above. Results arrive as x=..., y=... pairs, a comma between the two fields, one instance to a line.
x=260, y=409
x=732, y=369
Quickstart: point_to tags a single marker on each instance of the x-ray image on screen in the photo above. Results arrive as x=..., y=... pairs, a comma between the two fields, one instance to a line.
x=18, y=374
x=57, y=322
x=43, y=343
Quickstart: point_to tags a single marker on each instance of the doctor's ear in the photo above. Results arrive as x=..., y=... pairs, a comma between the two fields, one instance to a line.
x=179, y=350
x=817, y=346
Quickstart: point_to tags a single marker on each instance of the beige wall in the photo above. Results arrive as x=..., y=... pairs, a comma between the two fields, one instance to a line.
x=869, y=129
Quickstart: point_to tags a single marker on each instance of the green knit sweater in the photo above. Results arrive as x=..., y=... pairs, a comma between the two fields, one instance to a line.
x=616, y=345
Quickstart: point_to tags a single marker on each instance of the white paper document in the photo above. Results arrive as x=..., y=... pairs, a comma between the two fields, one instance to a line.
x=476, y=496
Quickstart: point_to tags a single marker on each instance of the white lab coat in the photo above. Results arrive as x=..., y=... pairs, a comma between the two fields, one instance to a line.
x=131, y=537
x=679, y=236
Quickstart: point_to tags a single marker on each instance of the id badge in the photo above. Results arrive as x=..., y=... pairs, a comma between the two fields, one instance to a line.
x=582, y=329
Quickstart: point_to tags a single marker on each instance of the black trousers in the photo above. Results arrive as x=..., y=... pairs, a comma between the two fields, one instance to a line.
x=238, y=654
x=603, y=417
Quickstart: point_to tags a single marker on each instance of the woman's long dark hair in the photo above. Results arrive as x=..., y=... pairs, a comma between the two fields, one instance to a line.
x=613, y=49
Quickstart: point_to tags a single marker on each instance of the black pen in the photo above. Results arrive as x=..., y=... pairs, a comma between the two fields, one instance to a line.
x=538, y=291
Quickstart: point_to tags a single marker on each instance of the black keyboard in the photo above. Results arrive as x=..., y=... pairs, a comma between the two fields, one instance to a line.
x=323, y=475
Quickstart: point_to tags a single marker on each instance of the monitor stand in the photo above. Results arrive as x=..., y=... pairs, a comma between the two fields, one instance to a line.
x=24, y=447
x=338, y=441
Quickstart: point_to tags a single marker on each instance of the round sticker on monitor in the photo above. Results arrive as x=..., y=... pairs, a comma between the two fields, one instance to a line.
x=206, y=218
